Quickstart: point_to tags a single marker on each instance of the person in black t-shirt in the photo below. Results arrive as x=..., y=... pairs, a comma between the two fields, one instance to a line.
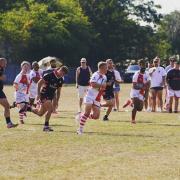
x=3, y=100
x=173, y=82
x=47, y=87
x=109, y=91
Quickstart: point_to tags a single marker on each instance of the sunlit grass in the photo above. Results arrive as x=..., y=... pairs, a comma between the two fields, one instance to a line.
x=107, y=150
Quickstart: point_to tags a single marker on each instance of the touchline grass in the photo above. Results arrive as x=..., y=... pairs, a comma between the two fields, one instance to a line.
x=107, y=150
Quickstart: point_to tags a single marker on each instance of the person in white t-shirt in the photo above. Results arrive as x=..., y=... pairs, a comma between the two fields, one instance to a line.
x=158, y=76
x=21, y=85
x=93, y=96
x=35, y=75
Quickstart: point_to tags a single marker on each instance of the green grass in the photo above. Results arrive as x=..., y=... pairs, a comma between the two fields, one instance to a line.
x=107, y=150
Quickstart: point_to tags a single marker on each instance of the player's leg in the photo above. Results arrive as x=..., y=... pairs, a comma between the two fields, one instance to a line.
x=110, y=104
x=49, y=107
x=138, y=106
x=84, y=117
x=20, y=106
x=54, y=104
x=5, y=104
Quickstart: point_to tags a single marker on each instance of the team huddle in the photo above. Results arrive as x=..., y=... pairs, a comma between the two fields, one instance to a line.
x=38, y=91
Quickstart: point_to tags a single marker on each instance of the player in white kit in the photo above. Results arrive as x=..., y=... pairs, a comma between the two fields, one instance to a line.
x=35, y=75
x=93, y=96
x=21, y=85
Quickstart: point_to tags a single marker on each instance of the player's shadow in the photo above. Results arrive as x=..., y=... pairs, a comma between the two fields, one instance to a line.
x=141, y=122
x=112, y=134
x=170, y=125
x=53, y=125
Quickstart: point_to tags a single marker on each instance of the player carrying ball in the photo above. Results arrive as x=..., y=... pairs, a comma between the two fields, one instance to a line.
x=93, y=96
x=141, y=81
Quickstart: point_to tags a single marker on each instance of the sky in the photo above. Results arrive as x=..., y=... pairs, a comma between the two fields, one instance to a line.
x=168, y=5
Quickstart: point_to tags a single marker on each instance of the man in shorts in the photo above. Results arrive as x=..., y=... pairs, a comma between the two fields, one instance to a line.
x=35, y=75
x=93, y=96
x=47, y=86
x=173, y=89
x=3, y=100
x=83, y=74
x=21, y=85
x=158, y=76
x=141, y=81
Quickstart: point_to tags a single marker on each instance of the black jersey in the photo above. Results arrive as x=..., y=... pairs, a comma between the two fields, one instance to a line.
x=1, y=81
x=109, y=91
x=52, y=84
x=173, y=78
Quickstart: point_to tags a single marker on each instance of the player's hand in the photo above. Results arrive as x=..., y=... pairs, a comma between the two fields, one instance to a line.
x=38, y=98
x=109, y=83
x=103, y=86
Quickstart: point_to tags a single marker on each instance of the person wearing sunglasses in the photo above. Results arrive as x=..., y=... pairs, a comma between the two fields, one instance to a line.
x=158, y=75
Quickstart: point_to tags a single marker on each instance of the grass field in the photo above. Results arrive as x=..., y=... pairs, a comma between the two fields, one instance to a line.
x=107, y=150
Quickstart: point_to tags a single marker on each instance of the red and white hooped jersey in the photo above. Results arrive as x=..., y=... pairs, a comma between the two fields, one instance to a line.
x=96, y=93
x=23, y=82
x=35, y=74
x=141, y=79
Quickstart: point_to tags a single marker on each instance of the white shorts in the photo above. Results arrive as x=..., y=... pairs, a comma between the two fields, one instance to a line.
x=90, y=100
x=21, y=97
x=82, y=91
x=173, y=93
x=136, y=94
x=33, y=93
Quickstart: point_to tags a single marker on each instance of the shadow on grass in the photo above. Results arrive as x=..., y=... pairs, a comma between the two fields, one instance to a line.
x=142, y=122
x=170, y=125
x=112, y=134
x=53, y=125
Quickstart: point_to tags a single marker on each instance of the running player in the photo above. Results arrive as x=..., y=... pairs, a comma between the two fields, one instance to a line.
x=21, y=85
x=35, y=75
x=109, y=91
x=47, y=87
x=141, y=81
x=3, y=100
x=93, y=96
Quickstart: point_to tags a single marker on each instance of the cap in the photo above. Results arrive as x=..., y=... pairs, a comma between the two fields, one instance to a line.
x=83, y=60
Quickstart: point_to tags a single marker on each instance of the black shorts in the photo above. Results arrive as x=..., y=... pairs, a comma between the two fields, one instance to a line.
x=2, y=95
x=159, y=88
x=108, y=96
x=44, y=98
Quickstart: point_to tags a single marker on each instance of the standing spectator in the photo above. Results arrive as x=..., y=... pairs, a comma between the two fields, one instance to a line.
x=173, y=89
x=116, y=89
x=169, y=67
x=172, y=60
x=83, y=74
x=158, y=75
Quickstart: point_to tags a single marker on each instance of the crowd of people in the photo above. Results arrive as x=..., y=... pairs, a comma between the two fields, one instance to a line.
x=38, y=91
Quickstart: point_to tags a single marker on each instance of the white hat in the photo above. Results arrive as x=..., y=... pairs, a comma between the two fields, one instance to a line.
x=25, y=62
x=83, y=60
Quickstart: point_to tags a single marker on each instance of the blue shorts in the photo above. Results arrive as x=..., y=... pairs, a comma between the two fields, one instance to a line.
x=116, y=89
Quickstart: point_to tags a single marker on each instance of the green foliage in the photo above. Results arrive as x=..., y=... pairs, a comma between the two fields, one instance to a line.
x=70, y=29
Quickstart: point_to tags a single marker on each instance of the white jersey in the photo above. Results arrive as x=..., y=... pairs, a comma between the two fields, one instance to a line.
x=23, y=82
x=140, y=79
x=35, y=74
x=95, y=93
